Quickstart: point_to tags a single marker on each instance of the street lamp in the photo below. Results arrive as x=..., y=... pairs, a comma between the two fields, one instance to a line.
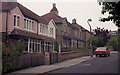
x=91, y=54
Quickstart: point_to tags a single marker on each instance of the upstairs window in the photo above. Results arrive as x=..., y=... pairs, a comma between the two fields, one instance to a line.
x=25, y=25
x=43, y=29
x=28, y=24
x=80, y=34
x=16, y=20
x=40, y=28
x=51, y=31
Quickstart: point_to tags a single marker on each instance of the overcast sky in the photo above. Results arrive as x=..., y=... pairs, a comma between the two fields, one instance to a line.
x=82, y=10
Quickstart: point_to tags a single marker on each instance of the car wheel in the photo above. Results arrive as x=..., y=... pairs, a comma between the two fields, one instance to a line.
x=108, y=54
x=96, y=55
x=105, y=55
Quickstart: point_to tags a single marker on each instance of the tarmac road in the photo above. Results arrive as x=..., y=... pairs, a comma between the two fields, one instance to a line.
x=98, y=65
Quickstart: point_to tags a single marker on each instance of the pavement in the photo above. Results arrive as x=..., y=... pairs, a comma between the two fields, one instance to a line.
x=48, y=68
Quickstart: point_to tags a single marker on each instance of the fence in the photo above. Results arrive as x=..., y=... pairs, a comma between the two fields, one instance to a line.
x=24, y=61
x=30, y=60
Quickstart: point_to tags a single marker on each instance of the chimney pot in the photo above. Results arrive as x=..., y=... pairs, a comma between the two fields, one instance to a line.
x=54, y=5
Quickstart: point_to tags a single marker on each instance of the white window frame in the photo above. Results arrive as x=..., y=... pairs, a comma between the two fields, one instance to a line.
x=29, y=24
x=16, y=20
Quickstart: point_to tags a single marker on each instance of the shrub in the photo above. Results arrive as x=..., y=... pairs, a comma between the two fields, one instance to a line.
x=113, y=42
x=12, y=50
x=97, y=41
x=9, y=51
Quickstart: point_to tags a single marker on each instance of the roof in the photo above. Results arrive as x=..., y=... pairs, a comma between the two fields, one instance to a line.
x=8, y=6
x=19, y=32
x=47, y=17
x=76, y=25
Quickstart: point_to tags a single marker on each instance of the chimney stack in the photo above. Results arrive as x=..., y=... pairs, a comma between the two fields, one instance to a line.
x=54, y=9
x=74, y=20
x=54, y=5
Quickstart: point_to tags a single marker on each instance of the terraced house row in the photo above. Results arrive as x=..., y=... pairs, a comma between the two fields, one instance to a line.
x=39, y=33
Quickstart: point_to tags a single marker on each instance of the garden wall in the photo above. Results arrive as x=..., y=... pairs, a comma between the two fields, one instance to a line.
x=37, y=59
x=69, y=55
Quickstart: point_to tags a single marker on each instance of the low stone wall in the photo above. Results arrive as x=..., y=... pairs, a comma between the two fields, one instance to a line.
x=69, y=55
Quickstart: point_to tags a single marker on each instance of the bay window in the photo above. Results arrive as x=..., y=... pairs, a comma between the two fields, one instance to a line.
x=33, y=45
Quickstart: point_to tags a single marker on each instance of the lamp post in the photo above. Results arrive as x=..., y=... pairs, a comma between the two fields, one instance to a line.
x=91, y=54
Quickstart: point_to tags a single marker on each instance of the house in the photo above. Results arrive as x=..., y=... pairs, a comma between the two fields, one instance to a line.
x=78, y=33
x=113, y=33
x=86, y=36
x=68, y=35
x=20, y=23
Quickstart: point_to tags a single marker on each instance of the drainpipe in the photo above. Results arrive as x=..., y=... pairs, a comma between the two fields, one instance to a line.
x=7, y=26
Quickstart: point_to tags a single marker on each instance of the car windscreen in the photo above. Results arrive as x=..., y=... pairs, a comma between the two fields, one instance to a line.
x=101, y=48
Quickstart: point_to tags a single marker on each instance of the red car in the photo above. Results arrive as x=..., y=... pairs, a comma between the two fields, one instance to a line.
x=102, y=51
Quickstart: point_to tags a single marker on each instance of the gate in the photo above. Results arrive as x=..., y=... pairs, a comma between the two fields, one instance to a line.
x=53, y=58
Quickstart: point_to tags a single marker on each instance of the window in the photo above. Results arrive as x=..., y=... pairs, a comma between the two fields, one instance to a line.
x=25, y=23
x=80, y=34
x=32, y=26
x=40, y=28
x=42, y=46
x=32, y=45
x=16, y=20
x=28, y=24
x=43, y=29
x=51, y=31
x=77, y=44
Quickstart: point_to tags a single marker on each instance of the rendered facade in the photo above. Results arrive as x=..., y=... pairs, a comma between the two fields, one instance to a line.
x=20, y=23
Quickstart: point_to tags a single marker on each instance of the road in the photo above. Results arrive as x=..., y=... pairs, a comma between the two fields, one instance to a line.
x=97, y=65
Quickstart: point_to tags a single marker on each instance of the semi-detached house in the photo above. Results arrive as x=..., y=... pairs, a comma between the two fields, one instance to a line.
x=20, y=23
x=68, y=35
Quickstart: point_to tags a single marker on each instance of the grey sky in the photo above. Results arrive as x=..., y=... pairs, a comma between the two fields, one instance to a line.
x=79, y=9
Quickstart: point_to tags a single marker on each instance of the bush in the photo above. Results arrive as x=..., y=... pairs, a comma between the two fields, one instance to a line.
x=97, y=41
x=113, y=42
x=74, y=49
x=12, y=49
x=9, y=51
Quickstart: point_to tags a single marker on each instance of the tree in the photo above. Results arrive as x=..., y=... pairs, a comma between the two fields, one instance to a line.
x=97, y=41
x=113, y=42
x=102, y=33
x=113, y=8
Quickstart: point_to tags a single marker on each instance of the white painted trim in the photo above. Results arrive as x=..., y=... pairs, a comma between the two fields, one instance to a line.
x=28, y=45
x=28, y=25
x=16, y=15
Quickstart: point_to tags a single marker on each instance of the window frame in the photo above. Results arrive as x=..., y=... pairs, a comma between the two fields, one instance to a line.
x=16, y=20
